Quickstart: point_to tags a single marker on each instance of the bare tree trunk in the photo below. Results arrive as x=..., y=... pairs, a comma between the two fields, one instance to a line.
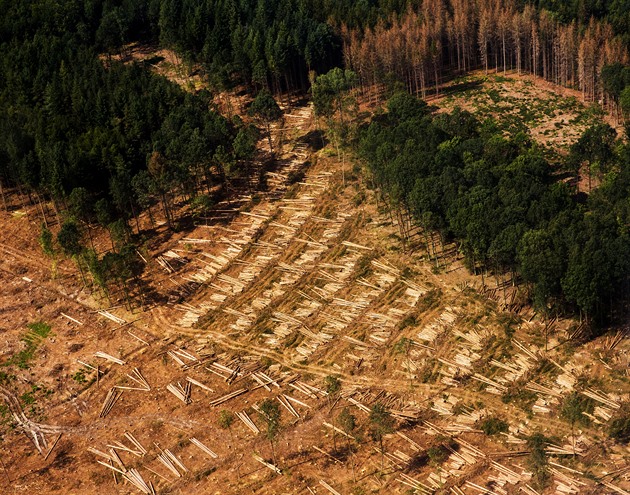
x=273, y=452
x=41, y=208
x=4, y=201
x=354, y=474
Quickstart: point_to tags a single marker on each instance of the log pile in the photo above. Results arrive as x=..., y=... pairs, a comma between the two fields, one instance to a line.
x=438, y=326
x=132, y=475
x=112, y=317
x=137, y=377
x=112, y=397
x=182, y=393
x=171, y=462
x=199, y=384
x=182, y=357
x=329, y=488
x=109, y=357
x=205, y=449
x=227, y=397
x=268, y=465
x=244, y=417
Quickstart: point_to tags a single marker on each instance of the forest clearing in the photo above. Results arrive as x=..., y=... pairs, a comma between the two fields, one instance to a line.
x=306, y=297
x=554, y=116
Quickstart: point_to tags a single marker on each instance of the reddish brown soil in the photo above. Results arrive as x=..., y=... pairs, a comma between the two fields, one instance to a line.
x=412, y=296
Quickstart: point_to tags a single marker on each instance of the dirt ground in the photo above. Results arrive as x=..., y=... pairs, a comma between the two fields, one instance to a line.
x=267, y=297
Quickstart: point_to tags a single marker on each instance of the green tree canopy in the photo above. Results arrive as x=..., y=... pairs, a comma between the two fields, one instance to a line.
x=330, y=92
x=269, y=413
x=69, y=238
x=266, y=110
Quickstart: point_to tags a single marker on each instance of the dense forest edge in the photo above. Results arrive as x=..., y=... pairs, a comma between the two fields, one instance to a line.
x=104, y=139
x=505, y=204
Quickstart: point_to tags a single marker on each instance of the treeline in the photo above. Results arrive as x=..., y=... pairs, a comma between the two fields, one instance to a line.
x=264, y=43
x=274, y=44
x=443, y=37
x=614, y=12
x=499, y=199
x=100, y=140
x=616, y=86
x=68, y=122
x=267, y=43
x=366, y=14
x=99, y=23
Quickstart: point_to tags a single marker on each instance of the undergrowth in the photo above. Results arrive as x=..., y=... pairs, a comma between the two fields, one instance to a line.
x=32, y=339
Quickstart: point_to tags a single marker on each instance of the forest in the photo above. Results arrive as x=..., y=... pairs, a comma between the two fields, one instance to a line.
x=105, y=140
x=503, y=203
x=420, y=47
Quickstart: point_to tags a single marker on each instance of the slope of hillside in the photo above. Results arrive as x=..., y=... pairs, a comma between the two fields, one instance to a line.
x=268, y=299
